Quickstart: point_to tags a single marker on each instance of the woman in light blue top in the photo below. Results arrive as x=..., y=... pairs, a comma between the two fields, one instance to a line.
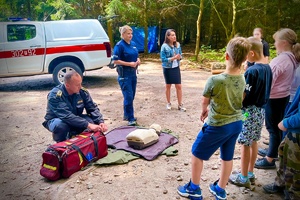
x=171, y=55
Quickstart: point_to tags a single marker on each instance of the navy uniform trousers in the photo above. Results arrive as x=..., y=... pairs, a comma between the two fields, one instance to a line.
x=62, y=131
x=128, y=87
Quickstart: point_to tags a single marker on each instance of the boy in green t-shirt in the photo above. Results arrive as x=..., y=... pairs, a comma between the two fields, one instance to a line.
x=223, y=94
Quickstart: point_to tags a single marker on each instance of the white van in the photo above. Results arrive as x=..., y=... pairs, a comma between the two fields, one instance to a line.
x=54, y=47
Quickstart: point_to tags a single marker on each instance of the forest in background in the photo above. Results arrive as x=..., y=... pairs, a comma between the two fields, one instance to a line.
x=209, y=23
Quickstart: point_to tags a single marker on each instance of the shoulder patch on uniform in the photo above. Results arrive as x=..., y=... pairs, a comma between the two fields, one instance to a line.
x=59, y=93
x=84, y=89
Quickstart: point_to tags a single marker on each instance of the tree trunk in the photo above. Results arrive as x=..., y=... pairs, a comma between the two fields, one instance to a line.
x=197, y=49
x=279, y=14
x=211, y=26
x=146, y=39
x=110, y=33
x=145, y=28
x=29, y=14
x=233, y=21
x=183, y=33
x=265, y=13
x=220, y=18
x=159, y=31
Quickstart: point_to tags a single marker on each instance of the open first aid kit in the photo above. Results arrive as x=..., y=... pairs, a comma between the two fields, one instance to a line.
x=65, y=158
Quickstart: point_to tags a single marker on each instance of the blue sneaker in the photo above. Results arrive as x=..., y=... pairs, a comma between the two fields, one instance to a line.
x=263, y=163
x=219, y=194
x=187, y=191
x=252, y=179
x=237, y=179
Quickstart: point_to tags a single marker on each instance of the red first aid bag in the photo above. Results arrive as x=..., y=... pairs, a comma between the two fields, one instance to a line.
x=65, y=158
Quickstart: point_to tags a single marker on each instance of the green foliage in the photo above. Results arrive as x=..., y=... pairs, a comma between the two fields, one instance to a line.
x=115, y=7
x=181, y=15
x=206, y=56
x=211, y=55
x=273, y=52
x=5, y=11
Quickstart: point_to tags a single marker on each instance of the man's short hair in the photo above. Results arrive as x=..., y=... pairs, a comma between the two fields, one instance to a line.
x=69, y=75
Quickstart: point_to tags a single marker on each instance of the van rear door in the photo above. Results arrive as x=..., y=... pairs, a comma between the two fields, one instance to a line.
x=24, y=47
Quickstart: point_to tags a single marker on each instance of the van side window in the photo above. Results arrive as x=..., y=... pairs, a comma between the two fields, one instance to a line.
x=19, y=32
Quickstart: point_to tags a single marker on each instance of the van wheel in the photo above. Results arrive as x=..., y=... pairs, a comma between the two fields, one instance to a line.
x=62, y=68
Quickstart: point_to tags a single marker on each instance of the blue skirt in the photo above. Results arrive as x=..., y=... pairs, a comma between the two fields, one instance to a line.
x=172, y=75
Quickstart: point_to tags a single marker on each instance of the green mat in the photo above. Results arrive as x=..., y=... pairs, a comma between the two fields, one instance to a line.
x=122, y=157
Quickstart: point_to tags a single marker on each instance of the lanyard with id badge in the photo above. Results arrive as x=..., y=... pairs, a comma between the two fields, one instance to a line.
x=175, y=62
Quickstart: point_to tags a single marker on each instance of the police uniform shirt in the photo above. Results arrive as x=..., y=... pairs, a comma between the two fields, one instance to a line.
x=258, y=85
x=126, y=52
x=68, y=108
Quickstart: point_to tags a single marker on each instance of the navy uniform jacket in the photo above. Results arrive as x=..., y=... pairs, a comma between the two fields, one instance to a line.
x=68, y=108
x=128, y=53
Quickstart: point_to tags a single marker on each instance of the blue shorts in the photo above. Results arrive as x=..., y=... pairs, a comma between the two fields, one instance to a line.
x=210, y=138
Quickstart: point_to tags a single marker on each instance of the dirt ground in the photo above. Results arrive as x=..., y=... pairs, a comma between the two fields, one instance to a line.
x=23, y=140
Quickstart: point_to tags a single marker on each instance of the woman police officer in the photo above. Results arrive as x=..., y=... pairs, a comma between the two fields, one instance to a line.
x=126, y=58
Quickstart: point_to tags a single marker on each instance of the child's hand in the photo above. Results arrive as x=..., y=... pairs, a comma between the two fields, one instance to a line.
x=204, y=114
x=281, y=126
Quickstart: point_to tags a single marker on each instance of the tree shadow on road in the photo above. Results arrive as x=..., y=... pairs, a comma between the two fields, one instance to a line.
x=45, y=83
x=94, y=81
x=26, y=84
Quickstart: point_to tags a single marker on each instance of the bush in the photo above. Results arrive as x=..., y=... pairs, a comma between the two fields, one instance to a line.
x=273, y=53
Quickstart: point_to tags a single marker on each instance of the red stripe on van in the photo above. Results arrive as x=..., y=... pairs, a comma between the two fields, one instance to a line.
x=66, y=49
x=22, y=53
x=52, y=50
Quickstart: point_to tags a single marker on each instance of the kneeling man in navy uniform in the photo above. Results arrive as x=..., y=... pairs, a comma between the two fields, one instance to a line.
x=66, y=103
